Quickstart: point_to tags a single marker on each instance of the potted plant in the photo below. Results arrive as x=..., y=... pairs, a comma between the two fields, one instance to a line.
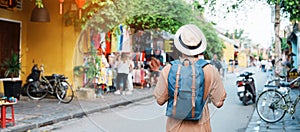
x=12, y=68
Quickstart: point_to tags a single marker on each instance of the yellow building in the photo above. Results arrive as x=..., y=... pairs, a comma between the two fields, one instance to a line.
x=229, y=50
x=49, y=43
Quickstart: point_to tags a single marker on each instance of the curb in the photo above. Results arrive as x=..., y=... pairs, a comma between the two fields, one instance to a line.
x=37, y=123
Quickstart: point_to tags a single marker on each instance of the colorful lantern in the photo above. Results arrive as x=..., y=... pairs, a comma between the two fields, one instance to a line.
x=80, y=4
x=60, y=6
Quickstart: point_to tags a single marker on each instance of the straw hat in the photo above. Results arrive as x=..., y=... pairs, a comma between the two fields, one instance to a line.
x=190, y=40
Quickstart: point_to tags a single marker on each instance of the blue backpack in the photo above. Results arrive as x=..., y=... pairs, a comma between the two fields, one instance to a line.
x=186, y=91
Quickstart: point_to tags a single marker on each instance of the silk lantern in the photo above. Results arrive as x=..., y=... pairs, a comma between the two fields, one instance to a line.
x=60, y=6
x=80, y=4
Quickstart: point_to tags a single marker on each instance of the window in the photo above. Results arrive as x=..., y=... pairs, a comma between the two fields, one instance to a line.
x=9, y=40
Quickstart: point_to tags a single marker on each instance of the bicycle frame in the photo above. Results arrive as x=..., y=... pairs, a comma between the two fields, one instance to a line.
x=290, y=106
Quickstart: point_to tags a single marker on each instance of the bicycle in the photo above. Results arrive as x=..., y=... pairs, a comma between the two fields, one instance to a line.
x=273, y=103
x=56, y=85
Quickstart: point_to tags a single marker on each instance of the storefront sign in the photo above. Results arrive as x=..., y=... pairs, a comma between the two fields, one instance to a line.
x=169, y=45
x=292, y=75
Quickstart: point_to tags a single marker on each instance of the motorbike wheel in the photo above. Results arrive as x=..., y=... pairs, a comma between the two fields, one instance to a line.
x=36, y=91
x=245, y=100
x=64, y=92
x=270, y=106
x=254, y=99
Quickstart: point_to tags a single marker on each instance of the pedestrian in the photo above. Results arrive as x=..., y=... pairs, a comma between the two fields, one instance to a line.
x=123, y=67
x=269, y=69
x=191, y=42
x=154, y=67
x=263, y=65
x=215, y=62
x=224, y=69
x=130, y=77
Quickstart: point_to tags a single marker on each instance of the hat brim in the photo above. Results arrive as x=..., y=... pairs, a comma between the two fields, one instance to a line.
x=185, y=50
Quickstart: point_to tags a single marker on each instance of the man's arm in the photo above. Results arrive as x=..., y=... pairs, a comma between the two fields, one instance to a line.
x=161, y=89
x=217, y=93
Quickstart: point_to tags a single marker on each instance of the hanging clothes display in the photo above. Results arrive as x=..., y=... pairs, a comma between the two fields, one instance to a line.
x=96, y=39
x=108, y=43
x=113, y=42
x=126, y=45
x=102, y=42
x=119, y=34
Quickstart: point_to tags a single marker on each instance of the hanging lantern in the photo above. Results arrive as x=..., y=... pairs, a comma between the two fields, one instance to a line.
x=40, y=13
x=80, y=4
x=60, y=6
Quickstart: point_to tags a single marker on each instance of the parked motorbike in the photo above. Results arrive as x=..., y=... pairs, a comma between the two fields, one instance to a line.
x=246, y=87
x=39, y=86
x=33, y=76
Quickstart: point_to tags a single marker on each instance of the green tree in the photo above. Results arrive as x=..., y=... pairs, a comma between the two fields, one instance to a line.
x=166, y=15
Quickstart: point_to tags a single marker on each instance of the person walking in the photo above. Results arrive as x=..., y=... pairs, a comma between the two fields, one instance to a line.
x=123, y=67
x=191, y=42
x=215, y=62
x=154, y=67
x=224, y=69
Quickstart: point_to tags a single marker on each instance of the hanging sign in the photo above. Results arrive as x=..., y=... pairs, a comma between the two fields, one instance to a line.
x=168, y=45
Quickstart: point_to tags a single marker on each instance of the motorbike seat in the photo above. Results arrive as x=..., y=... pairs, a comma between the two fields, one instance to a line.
x=55, y=75
x=284, y=84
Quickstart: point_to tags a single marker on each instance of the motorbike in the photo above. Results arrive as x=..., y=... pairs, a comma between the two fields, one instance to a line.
x=246, y=87
x=39, y=86
x=32, y=77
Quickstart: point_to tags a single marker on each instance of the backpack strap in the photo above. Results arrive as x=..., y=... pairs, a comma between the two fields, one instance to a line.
x=175, y=62
x=193, y=90
x=176, y=89
x=202, y=62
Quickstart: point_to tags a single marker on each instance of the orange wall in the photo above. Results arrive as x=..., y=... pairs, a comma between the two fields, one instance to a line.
x=51, y=44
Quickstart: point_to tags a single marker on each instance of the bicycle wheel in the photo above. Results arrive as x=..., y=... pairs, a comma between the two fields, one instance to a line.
x=64, y=92
x=35, y=90
x=271, y=106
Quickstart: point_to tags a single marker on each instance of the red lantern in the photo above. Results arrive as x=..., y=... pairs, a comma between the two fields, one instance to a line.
x=80, y=4
x=10, y=2
x=60, y=6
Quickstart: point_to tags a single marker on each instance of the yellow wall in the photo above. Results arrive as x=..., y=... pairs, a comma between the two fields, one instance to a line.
x=229, y=54
x=51, y=44
x=242, y=58
x=228, y=51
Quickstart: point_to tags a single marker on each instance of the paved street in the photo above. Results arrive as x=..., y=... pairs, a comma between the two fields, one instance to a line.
x=143, y=115
x=112, y=112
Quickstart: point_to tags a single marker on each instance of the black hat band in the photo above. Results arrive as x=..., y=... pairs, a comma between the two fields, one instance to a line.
x=189, y=47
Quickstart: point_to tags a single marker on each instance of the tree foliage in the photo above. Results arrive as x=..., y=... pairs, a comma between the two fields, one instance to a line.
x=287, y=6
x=167, y=15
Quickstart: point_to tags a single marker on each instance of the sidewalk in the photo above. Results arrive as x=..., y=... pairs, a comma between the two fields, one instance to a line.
x=287, y=124
x=30, y=114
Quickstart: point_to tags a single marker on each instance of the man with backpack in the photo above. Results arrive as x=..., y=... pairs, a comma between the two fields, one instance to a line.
x=188, y=83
